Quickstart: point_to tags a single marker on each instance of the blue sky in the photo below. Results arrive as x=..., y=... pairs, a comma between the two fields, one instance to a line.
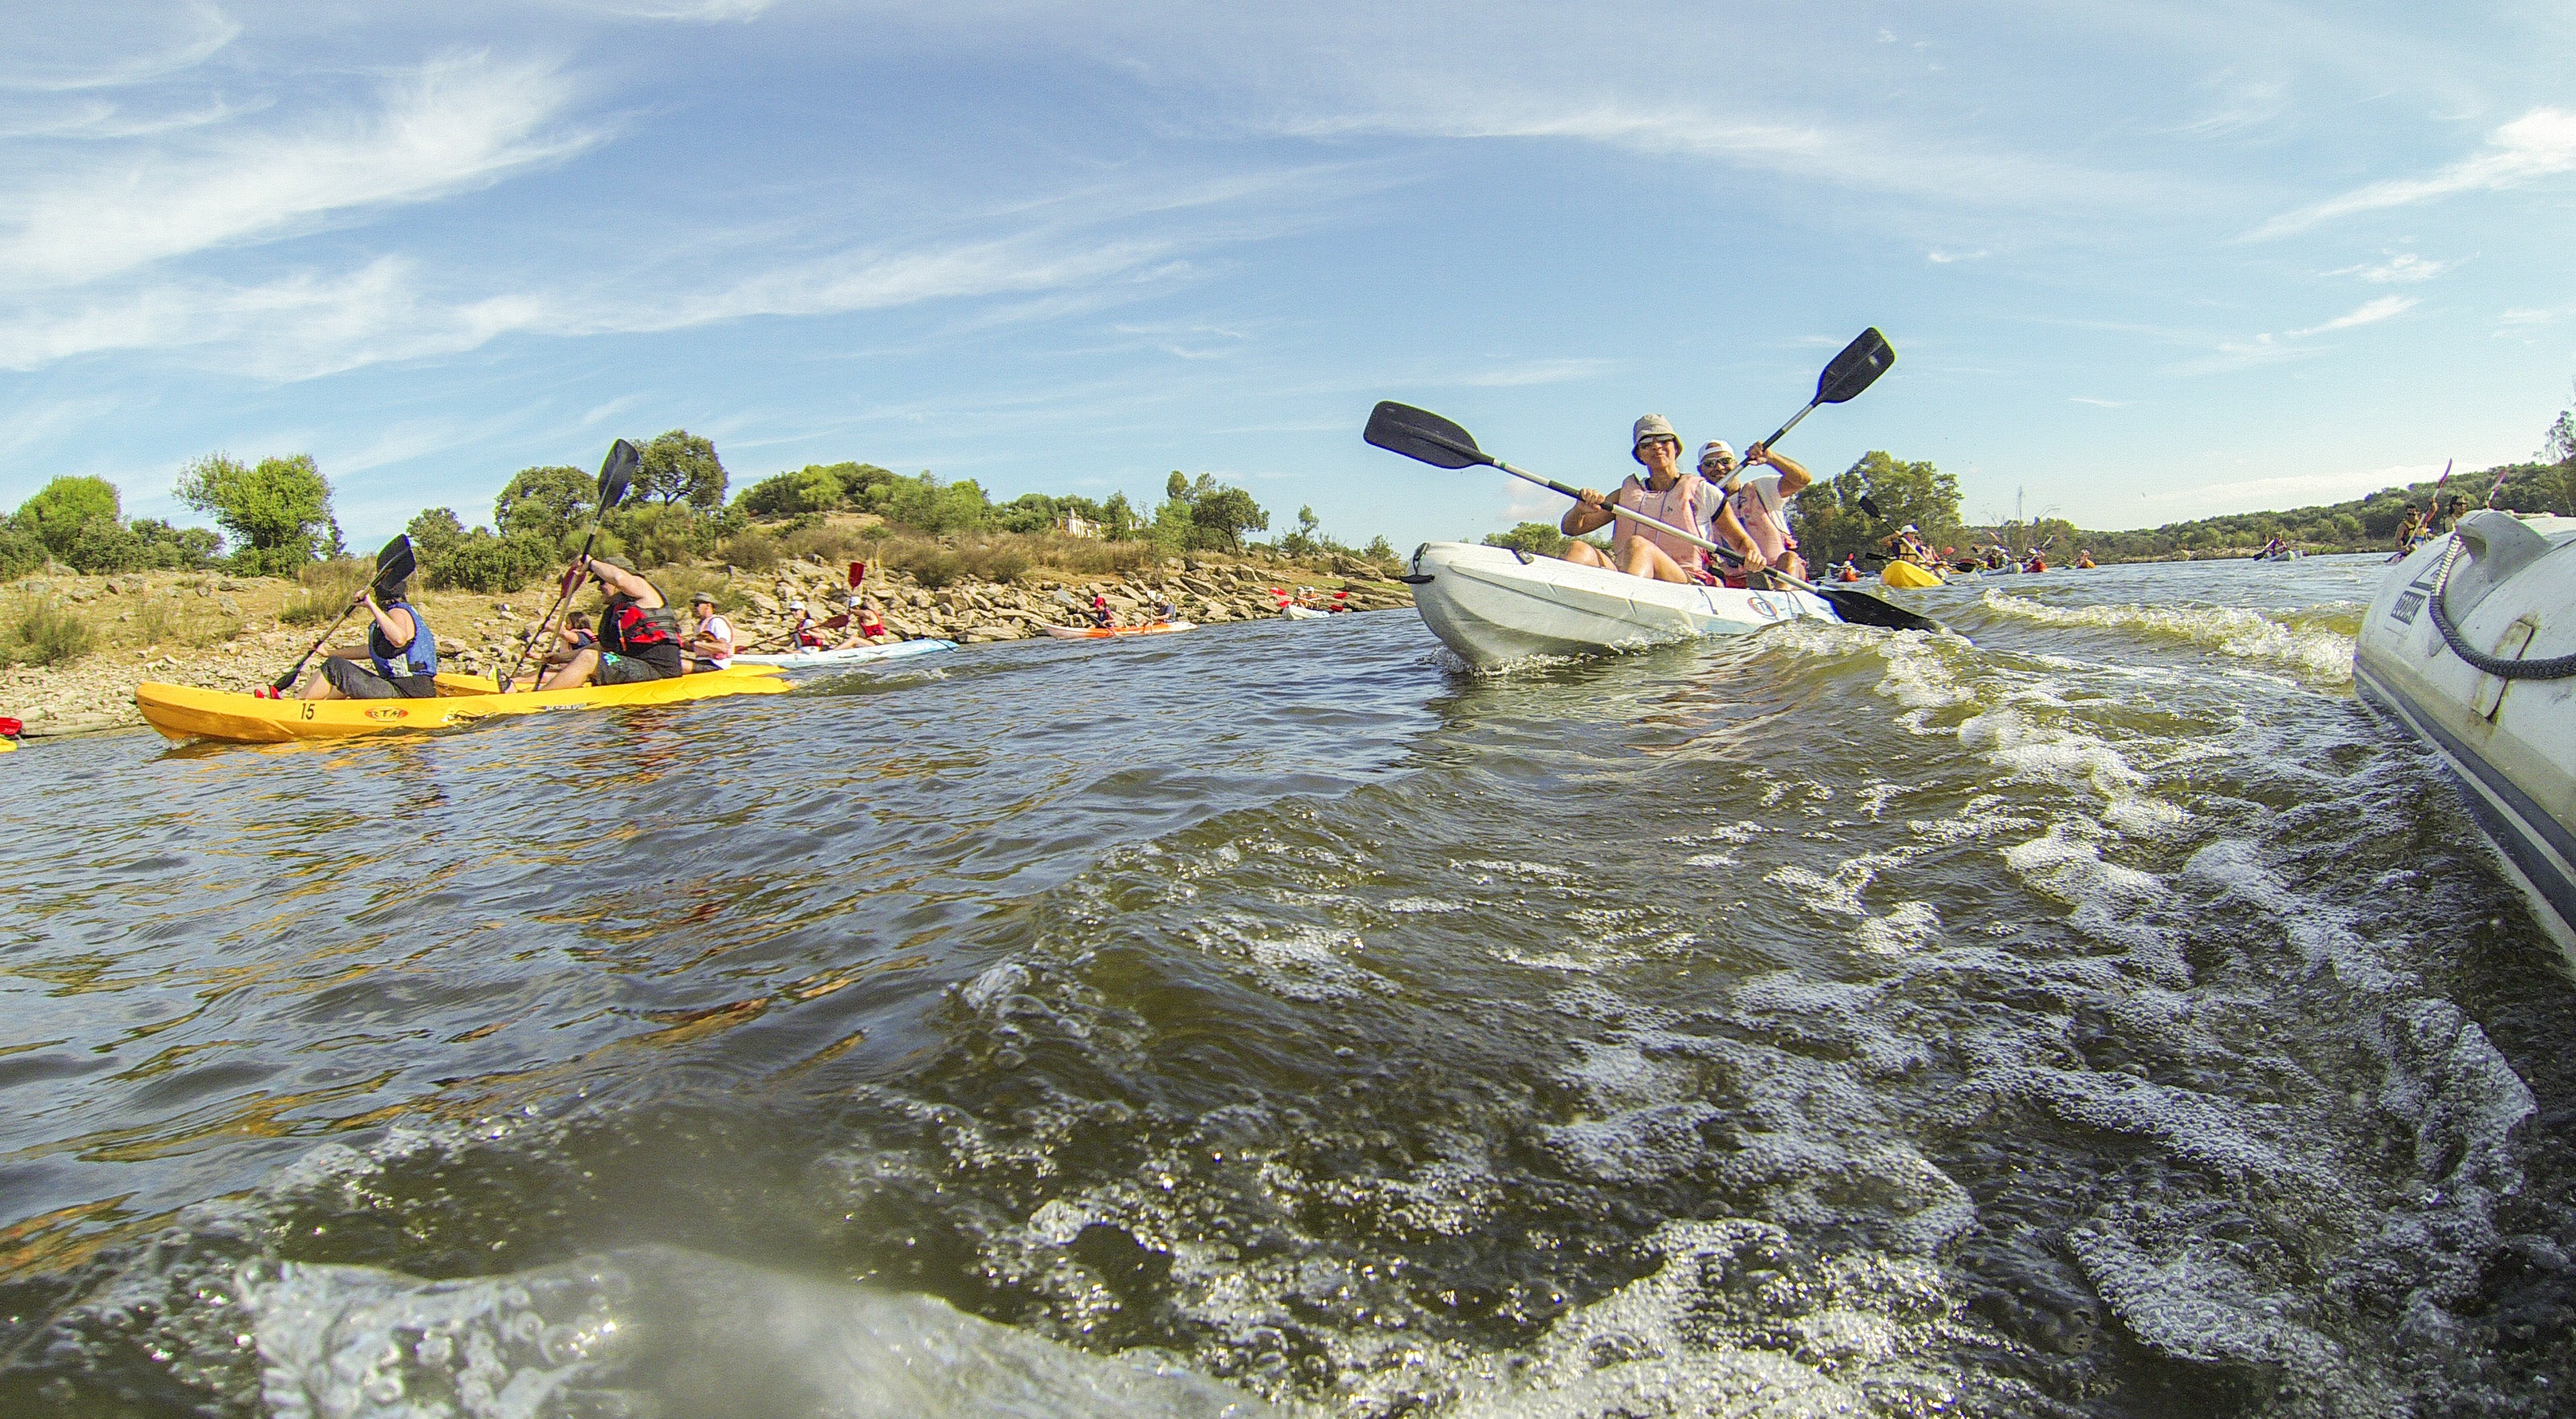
x=2141, y=262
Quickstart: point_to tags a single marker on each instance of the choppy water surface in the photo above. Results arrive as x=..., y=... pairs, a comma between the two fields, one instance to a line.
x=2110, y=1017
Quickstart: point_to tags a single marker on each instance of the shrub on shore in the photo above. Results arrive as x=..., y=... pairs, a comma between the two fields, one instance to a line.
x=46, y=633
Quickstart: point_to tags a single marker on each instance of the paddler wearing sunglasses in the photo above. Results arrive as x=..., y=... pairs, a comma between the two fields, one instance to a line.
x=1759, y=502
x=1667, y=493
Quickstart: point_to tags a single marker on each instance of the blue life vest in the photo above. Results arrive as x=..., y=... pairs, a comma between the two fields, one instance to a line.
x=418, y=658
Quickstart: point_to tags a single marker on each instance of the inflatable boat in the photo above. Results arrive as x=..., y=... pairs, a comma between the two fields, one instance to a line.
x=2470, y=645
x=1495, y=605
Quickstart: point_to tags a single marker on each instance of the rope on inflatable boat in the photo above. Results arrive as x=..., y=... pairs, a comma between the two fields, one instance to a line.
x=2557, y=667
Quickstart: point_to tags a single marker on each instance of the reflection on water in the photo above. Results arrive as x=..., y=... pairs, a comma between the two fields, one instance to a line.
x=2107, y=1016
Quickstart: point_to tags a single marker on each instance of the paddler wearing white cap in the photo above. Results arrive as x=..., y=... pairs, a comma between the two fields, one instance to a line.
x=1760, y=501
x=1668, y=493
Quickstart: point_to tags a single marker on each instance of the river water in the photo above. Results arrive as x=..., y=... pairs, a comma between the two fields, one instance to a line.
x=2109, y=1017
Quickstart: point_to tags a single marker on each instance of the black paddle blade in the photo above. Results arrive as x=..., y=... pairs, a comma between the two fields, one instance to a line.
x=1422, y=435
x=1871, y=508
x=616, y=473
x=1862, y=609
x=1856, y=368
x=394, y=565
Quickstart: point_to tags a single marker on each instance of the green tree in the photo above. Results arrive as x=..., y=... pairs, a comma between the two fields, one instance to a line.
x=434, y=533
x=1118, y=520
x=1223, y=516
x=176, y=548
x=480, y=561
x=20, y=552
x=1539, y=539
x=926, y=504
x=552, y=503
x=279, y=510
x=810, y=489
x=57, y=515
x=680, y=467
x=1831, y=524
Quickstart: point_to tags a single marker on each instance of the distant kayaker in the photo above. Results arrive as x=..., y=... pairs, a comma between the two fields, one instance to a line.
x=2410, y=529
x=1906, y=544
x=1101, y=615
x=801, y=631
x=639, y=637
x=867, y=625
x=2453, y=509
x=1668, y=494
x=1760, y=501
x=2084, y=559
x=1165, y=612
x=710, y=642
x=400, y=656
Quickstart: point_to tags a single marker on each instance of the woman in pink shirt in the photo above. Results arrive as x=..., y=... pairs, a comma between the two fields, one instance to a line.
x=1667, y=494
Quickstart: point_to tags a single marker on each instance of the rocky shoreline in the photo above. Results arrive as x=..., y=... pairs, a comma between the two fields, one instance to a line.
x=227, y=634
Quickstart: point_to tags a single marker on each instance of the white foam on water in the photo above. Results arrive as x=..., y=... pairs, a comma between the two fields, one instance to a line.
x=1294, y=960
x=660, y=1331
x=2029, y=751
x=1739, y=1322
x=1906, y=928
x=2068, y=866
x=2315, y=653
x=1433, y=906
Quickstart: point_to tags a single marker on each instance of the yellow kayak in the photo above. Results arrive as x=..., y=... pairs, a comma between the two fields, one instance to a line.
x=182, y=712
x=1908, y=574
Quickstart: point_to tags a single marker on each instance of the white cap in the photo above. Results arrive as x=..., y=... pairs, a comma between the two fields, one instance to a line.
x=1909, y=527
x=1716, y=446
x=795, y=605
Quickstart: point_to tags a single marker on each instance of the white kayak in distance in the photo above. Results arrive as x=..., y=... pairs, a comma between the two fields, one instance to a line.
x=1495, y=605
x=855, y=655
x=2470, y=645
x=1293, y=612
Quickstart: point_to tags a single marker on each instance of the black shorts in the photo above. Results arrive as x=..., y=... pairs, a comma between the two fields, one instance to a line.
x=359, y=681
x=617, y=669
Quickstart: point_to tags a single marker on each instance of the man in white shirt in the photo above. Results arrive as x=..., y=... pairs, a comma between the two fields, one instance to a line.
x=1760, y=502
x=711, y=644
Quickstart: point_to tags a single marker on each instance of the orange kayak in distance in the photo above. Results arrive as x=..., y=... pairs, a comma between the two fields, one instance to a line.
x=1102, y=633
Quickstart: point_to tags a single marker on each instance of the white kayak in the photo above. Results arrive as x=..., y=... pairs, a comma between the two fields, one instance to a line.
x=2506, y=585
x=1494, y=605
x=1303, y=613
x=855, y=655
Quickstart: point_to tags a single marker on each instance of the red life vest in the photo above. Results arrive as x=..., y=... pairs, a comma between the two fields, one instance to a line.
x=625, y=628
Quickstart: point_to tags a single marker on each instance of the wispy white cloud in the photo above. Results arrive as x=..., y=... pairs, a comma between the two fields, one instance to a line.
x=2100, y=403
x=705, y=12
x=1944, y=258
x=2292, y=489
x=2538, y=144
x=2404, y=268
x=56, y=62
x=1955, y=172
x=2368, y=313
x=450, y=125
x=2295, y=344
x=1530, y=372
x=2239, y=104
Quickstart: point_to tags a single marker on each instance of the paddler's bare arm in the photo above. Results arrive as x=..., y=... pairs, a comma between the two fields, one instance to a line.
x=625, y=583
x=396, y=627
x=1732, y=533
x=1590, y=512
x=1794, y=476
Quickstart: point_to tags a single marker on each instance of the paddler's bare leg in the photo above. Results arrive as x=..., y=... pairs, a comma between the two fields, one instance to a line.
x=1584, y=554
x=1647, y=560
x=576, y=672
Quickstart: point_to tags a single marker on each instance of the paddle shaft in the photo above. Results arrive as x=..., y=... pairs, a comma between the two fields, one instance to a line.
x=563, y=594
x=281, y=683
